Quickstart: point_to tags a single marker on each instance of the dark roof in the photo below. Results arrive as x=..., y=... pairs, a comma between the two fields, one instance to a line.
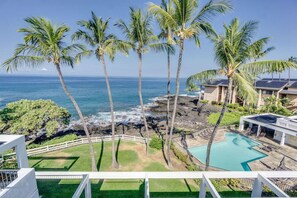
x=272, y=84
x=281, y=79
x=267, y=119
x=218, y=82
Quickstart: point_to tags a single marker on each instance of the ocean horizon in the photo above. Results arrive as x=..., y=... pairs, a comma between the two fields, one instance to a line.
x=89, y=92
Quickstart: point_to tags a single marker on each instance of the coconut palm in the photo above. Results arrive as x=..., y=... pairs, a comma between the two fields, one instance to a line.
x=95, y=33
x=234, y=51
x=44, y=42
x=140, y=36
x=167, y=35
x=186, y=23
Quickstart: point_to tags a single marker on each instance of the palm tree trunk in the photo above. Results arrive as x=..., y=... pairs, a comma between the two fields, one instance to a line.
x=141, y=101
x=168, y=98
x=114, y=160
x=180, y=57
x=94, y=167
x=217, y=124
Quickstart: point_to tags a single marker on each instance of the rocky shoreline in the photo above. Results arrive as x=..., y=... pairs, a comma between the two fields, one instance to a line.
x=191, y=115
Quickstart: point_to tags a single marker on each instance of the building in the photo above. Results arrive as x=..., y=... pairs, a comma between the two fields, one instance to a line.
x=280, y=128
x=282, y=88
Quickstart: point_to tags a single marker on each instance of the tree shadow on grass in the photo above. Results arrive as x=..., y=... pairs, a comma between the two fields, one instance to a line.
x=117, y=150
x=63, y=160
x=99, y=163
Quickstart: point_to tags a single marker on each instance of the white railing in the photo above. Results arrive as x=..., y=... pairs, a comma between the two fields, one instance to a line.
x=261, y=178
x=24, y=185
x=6, y=177
x=80, y=141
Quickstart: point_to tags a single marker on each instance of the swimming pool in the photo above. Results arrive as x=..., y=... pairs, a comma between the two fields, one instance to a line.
x=232, y=154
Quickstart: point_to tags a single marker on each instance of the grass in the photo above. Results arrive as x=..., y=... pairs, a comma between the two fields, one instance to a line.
x=131, y=157
x=230, y=118
x=56, y=140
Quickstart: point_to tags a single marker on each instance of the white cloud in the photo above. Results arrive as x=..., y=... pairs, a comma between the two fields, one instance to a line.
x=44, y=69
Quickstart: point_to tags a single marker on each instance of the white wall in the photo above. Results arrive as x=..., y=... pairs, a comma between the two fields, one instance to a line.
x=24, y=186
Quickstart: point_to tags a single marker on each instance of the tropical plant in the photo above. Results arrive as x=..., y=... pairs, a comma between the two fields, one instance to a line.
x=192, y=87
x=233, y=51
x=140, y=36
x=186, y=23
x=29, y=117
x=95, y=34
x=44, y=42
x=294, y=60
x=276, y=105
x=167, y=35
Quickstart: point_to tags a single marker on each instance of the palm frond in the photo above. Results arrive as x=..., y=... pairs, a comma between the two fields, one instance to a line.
x=12, y=64
x=203, y=76
x=245, y=88
x=211, y=9
x=268, y=66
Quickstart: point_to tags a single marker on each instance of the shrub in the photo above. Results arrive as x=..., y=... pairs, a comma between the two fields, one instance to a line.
x=156, y=143
x=204, y=101
x=28, y=117
x=56, y=140
x=182, y=157
x=241, y=109
x=214, y=102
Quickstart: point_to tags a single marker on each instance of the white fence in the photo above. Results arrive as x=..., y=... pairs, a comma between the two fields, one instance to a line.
x=80, y=141
x=261, y=178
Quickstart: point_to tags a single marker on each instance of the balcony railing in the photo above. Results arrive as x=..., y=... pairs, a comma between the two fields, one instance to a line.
x=6, y=177
x=260, y=179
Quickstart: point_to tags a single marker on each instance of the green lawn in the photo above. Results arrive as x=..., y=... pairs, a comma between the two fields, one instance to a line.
x=131, y=157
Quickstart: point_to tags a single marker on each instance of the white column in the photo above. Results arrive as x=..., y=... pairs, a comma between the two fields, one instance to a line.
x=258, y=130
x=21, y=154
x=259, y=98
x=283, y=139
x=223, y=94
x=241, y=124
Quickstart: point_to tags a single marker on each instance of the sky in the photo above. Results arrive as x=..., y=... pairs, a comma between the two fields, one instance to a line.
x=277, y=20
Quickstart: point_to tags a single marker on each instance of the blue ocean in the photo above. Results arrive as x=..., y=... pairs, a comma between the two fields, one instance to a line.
x=89, y=92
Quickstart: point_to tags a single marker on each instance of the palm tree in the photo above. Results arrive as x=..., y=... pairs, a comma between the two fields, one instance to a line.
x=140, y=36
x=294, y=60
x=167, y=35
x=233, y=51
x=187, y=23
x=95, y=34
x=44, y=42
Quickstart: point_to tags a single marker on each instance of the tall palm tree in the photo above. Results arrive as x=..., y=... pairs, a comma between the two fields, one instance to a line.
x=167, y=35
x=187, y=23
x=233, y=51
x=95, y=33
x=44, y=42
x=140, y=36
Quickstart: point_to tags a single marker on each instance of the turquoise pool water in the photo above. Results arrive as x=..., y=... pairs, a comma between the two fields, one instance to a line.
x=232, y=154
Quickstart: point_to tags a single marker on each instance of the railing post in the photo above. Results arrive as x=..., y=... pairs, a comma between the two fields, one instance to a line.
x=88, y=191
x=257, y=188
x=134, y=138
x=47, y=148
x=202, y=192
x=66, y=145
x=146, y=187
x=82, y=140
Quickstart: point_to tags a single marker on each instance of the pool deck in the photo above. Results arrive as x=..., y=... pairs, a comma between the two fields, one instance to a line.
x=271, y=162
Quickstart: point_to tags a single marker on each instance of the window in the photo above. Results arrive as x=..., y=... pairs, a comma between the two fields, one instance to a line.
x=267, y=92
